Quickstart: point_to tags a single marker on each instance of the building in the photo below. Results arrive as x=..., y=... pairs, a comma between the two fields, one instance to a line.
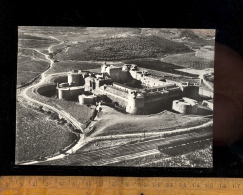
x=137, y=91
x=208, y=103
x=185, y=106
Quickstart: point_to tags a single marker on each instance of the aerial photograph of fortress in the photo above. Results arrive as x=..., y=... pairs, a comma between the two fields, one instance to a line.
x=135, y=97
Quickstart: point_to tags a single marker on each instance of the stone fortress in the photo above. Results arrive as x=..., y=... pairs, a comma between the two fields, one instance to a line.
x=134, y=89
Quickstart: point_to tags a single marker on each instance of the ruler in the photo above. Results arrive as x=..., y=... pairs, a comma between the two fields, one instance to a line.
x=90, y=185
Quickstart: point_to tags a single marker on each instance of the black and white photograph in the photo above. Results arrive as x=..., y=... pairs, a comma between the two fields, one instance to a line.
x=120, y=97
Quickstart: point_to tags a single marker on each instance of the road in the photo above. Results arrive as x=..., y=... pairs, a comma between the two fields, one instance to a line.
x=116, y=153
x=162, y=133
x=87, y=158
x=73, y=154
x=43, y=78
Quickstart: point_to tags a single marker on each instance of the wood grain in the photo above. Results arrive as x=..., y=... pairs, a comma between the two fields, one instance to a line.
x=70, y=185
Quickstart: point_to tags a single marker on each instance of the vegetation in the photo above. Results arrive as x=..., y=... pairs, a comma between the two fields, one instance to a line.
x=82, y=113
x=28, y=69
x=31, y=41
x=30, y=53
x=154, y=64
x=189, y=60
x=123, y=48
x=37, y=139
x=66, y=66
x=200, y=158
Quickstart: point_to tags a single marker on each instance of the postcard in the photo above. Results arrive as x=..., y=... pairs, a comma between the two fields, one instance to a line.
x=133, y=97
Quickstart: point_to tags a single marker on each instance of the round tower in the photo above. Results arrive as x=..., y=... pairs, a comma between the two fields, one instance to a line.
x=135, y=104
x=75, y=78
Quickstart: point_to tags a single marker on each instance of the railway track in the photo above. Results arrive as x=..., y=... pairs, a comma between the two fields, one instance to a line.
x=106, y=156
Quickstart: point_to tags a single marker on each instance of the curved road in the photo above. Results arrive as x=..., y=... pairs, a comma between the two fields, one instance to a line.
x=43, y=78
x=69, y=118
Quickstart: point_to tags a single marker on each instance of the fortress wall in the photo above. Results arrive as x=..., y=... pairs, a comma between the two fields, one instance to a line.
x=121, y=101
x=114, y=73
x=151, y=81
x=153, y=102
x=191, y=92
x=123, y=87
x=76, y=92
x=70, y=93
x=180, y=107
x=63, y=94
x=138, y=76
x=205, y=93
x=184, y=108
x=159, y=88
x=102, y=82
x=158, y=101
x=125, y=76
x=134, y=74
x=75, y=78
x=117, y=92
x=87, y=99
x=60, y=79
x=135, y=105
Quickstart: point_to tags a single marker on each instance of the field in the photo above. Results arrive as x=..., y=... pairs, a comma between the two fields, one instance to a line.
x=111, y=122
x=189, y=60
x=79, y=34
x=122, y=48
x=82, y=113
x=154, y=64
x=30, y=53
x=66, y=66
x=39, y=138
x=86, y=49
x=198, y=43
x=28, y=69
x=31, y=41
x=199, y=158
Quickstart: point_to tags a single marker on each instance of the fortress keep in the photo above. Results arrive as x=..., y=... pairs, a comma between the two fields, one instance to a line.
x=134, y=89
x=185, y=106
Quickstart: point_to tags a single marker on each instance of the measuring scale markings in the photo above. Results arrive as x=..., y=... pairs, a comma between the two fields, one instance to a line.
x=120, y=185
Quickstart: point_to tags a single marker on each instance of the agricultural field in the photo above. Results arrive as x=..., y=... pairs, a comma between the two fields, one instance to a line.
x=111, y=132
x=33, y=54
x=189, y=60
x=66, y=66
x=37, y=42
x=31, y=63
x=39, y=138
x=111, y=122
x=28, y=69
x=154, y=64
x=198, y=43
x=122, y=48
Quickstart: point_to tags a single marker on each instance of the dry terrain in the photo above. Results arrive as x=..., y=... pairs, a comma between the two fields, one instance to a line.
x=112, y=122
x=29, y=68
x=40, y=138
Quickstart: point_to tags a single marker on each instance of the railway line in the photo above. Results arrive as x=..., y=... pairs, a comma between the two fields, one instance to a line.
x=107, y=156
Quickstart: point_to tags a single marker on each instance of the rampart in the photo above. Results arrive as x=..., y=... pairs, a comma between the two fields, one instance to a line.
x=114, y=94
